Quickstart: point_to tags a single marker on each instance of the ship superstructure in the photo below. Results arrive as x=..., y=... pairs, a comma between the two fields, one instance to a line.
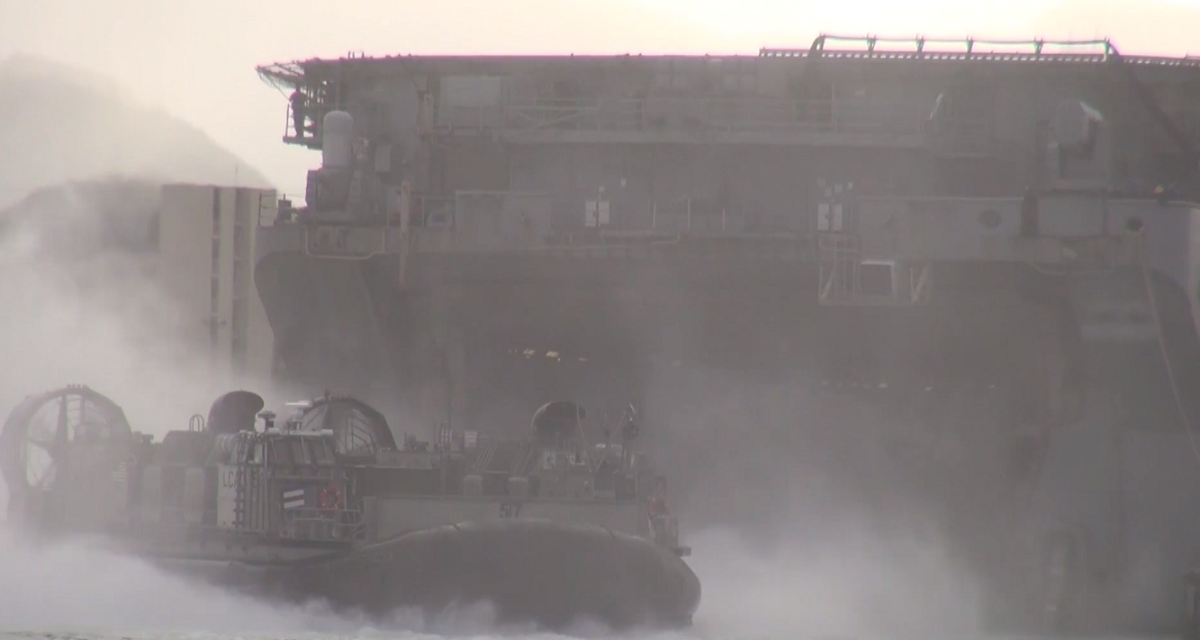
x=1003, y=228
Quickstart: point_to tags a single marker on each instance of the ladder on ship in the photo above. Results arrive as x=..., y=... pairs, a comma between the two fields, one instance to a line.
x=241, y=484
x=840, y=278
x=847, y=279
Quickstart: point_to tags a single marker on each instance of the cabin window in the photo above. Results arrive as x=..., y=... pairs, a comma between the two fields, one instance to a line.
x=299, y=455
x=277, y=453
x=256, y=455
x=357, y=440
x=354, y=430
x=320, y=452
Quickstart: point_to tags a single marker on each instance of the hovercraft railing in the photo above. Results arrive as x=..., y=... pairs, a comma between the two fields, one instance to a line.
x=315, y=524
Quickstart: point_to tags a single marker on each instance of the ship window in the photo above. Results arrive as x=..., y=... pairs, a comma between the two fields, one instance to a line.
x=356, y=438
x=299, y=455
x=320, y=452
x=278, y=453
x=354, y=431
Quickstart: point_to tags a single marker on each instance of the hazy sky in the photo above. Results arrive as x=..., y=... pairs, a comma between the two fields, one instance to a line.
x=196, y=58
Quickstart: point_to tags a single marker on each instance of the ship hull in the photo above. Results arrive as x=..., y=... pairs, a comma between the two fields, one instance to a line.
x=548, y=574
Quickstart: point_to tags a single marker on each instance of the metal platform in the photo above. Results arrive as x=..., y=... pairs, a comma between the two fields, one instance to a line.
x=758, y=121
x=1073, y=233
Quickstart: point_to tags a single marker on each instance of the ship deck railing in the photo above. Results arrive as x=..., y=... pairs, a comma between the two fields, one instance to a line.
x=288, y=75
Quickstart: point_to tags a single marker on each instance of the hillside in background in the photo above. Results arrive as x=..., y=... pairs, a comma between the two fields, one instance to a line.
x=59, y=124
x=80, y=193
x=76, y=220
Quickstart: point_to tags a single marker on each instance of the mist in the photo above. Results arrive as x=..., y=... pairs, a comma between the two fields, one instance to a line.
x=82, y=307
x=782, y=543
x=97, y=318
x=806, y=508
x=812, y=508
x=82, y=310
x=79, y=587
x=813, y=526
x=61, y=123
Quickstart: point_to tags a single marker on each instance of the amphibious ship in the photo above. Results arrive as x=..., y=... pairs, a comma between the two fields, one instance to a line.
x=989, y=243
x=327, y=506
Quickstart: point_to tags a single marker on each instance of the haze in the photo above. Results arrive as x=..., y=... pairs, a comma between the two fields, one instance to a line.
x=196, y=58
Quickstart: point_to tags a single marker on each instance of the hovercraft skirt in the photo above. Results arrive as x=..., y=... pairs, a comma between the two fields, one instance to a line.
x=548, y=573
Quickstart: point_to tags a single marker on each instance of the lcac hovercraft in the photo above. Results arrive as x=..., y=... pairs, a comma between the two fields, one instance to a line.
x=328, y=506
